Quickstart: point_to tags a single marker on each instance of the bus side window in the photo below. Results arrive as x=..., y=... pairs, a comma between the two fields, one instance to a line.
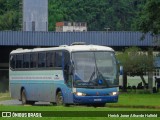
x=58, y=59
x=50, y=56
x=26, y=60
x=33, y=60
x=12, y=61
x=19, y=61
x=41, y=60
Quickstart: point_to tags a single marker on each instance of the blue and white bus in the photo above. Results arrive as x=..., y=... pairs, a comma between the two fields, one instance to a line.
x=75, y=74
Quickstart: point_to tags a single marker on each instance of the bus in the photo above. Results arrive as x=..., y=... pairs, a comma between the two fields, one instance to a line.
x=64, y=75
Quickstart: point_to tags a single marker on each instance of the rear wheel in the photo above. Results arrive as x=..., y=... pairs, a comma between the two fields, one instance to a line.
x=23, y=97
x=53, y=103
x=59, y=98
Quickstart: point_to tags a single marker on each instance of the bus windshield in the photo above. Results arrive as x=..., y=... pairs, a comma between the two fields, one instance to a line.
x=95, y=69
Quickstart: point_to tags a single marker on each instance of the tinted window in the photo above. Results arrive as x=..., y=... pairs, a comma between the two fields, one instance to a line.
x=19, y=61
x=41, y=60
x=50, y=59
x=26, y=60
x=33, y=60
x=12, y=61
x=58, y=60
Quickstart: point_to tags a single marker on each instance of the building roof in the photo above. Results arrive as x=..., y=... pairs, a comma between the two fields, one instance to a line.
x=110, y=38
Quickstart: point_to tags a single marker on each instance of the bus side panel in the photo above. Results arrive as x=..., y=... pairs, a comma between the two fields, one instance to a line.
x=15, y=90
x=40, y=91
x=39, y=85
x=44, y=89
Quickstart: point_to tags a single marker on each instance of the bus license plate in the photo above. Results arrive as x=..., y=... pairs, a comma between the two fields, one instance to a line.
x=97, y=99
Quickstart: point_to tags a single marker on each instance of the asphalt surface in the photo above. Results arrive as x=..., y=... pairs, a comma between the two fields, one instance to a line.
x=17, y=102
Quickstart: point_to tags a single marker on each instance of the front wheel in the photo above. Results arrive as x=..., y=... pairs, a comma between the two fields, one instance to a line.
x=59, y=98
x=24, y=98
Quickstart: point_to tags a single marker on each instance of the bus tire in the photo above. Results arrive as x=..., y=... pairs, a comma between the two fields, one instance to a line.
x=23, y=97
x=59, y=98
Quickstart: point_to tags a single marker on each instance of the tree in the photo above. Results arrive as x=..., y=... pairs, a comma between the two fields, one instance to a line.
x=9, y=21
x=9, y=14
x=99, y=14
x=149, y=20
x=136, y=62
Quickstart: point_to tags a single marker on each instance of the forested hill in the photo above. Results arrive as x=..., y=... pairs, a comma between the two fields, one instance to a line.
x=118, y=15
x=99, y=14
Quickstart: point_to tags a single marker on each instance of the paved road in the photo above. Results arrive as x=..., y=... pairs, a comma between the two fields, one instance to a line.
x=17, y=102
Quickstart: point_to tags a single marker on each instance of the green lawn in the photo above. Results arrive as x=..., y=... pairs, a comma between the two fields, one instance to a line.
x=126, y=101
x=131, y=99
x=5, y=96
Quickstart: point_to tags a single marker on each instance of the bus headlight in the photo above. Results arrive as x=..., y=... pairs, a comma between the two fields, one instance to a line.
x=80, y=94
x=113, y=93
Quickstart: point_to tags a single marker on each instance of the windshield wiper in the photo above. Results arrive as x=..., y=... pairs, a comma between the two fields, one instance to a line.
x=90, y=79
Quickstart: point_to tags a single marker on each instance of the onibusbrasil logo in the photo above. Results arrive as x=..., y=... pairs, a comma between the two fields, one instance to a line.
x=21, y=114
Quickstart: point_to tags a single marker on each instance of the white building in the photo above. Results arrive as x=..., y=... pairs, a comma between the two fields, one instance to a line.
x=71, y=26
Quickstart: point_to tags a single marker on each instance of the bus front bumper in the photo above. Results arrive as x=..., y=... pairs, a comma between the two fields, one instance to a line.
x=94, y=99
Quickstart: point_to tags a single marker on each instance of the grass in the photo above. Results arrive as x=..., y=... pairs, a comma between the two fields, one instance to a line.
x=125, y=99
x=131, y=99
x=71, y=108
x=5, y=96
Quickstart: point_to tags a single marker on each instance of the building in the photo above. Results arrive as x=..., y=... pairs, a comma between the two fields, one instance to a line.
x=71, y=26
x=35, y=15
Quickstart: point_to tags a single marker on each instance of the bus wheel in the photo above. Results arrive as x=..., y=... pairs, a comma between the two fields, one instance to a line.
x=59, y=98
x=23, y=96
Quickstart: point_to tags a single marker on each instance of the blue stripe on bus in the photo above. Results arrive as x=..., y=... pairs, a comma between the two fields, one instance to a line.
x=36, y=81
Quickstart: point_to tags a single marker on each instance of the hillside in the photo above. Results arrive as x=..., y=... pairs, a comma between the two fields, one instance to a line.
x=99, y=14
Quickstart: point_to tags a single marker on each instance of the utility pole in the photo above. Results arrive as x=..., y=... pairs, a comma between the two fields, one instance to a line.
x=150, y=72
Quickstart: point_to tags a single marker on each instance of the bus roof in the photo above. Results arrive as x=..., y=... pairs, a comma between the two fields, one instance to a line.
x=71, y=48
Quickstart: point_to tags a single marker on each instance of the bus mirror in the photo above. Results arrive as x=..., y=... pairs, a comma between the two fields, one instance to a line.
x=70, y=69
